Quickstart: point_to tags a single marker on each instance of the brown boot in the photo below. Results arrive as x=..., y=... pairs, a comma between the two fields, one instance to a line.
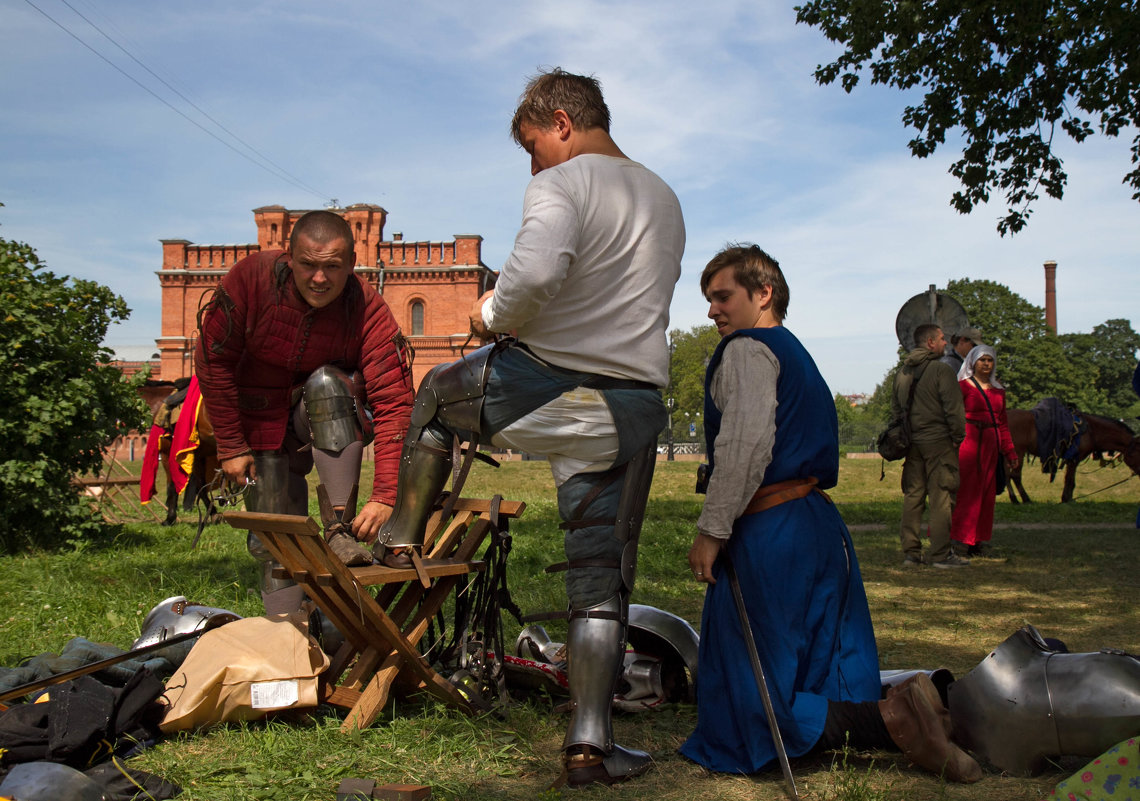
x=920, y=726
x=397, y=558
x=345, y=546
x=338, y=532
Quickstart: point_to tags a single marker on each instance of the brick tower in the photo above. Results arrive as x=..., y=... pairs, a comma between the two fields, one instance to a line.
x=429, y=286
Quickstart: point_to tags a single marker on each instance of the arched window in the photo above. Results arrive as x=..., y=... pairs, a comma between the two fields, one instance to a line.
x=417, y=319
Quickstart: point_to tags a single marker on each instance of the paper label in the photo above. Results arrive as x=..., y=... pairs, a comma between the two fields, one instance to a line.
x=273, y=694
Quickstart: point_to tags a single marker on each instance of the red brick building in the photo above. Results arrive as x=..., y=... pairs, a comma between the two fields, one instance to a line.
x=428, y=285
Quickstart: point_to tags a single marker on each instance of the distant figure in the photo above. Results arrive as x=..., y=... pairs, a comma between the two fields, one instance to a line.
x=937, y=426
x=987, y=440
x=960, y=345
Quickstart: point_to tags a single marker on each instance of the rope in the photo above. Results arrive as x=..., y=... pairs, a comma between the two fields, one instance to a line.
x=1102, y=489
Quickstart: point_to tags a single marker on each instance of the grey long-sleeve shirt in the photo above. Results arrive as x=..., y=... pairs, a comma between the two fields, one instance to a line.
x=744, y=389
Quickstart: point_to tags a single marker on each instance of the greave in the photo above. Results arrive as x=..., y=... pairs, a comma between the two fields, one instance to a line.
x=424, y=467
x=276, y=491
x=595, y=651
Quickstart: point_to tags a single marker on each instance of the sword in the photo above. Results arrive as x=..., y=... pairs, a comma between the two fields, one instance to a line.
x=94, y=667
x=758, y=672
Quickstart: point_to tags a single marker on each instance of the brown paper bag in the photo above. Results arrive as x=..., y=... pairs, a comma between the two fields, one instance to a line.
x=243, y=671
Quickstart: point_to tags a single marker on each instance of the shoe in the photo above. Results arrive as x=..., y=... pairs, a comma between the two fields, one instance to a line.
x=912, y=561
x=398, y=560
x=918, y=724
x=982, y=549
x=338, y=531
x=588, y=767
x=952, y=560
x=347, y=549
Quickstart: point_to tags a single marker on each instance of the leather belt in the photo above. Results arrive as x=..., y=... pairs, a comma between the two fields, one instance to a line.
x=781, y=492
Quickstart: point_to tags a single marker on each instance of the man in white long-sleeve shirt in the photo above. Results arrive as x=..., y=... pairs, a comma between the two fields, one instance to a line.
x=586, y=291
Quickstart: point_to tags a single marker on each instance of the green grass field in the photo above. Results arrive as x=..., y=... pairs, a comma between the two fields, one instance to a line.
x=1069, y=570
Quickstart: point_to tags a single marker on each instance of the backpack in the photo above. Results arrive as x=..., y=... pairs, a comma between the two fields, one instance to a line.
x=894, y=442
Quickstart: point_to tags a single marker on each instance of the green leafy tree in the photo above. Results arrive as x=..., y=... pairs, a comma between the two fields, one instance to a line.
x=860, y=426
x=1108, y=355
x=1007, y=73
x=1031, y=363
x=690, y=354
x=857, y=425
x=60, y=402
x=878, y=408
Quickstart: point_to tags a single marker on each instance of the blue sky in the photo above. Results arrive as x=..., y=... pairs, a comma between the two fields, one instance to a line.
x=406, y=105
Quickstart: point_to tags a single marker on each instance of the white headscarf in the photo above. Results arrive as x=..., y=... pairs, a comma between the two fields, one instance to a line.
x=966, y=371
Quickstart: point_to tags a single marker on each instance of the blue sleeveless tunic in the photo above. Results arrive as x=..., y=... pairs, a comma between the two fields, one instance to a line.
x=801, y=584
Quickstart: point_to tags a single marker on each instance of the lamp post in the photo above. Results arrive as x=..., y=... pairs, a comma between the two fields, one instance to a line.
x=670, y=403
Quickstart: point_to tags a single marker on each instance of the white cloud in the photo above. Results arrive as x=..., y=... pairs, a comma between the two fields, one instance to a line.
x=407, y=105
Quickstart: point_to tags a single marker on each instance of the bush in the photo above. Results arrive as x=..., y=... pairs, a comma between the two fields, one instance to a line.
x=61, y=404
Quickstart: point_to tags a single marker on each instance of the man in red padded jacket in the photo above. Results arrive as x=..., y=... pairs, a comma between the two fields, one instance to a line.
x=300, y=362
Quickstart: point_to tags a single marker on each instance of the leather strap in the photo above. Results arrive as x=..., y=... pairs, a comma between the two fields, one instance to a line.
x=781, y=492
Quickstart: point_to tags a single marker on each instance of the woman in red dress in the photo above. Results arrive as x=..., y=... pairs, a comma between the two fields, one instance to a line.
x=987, y=436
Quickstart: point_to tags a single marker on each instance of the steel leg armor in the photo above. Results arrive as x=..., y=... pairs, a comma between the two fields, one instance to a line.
x=450, y=400
x=595, y=649
x=1026, y=702
x=277, y=491
x=660, y=663
x=597, y=632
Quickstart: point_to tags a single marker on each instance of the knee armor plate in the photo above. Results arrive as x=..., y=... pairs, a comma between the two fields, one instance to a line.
x=453, y=393
x=336, y=404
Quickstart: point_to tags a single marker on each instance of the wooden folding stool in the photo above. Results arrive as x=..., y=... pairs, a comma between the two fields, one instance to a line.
x=380, y=642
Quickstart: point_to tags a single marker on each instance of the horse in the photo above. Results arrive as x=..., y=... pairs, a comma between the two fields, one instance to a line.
x=204, y=477
x=1100, y=435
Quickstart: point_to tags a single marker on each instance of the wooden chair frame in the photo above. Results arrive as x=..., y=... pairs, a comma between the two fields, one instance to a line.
x=115, y=492
x=380, y=642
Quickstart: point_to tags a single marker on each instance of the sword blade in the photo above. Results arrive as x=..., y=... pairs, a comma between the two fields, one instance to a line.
x=94, y=667
x=758, y=672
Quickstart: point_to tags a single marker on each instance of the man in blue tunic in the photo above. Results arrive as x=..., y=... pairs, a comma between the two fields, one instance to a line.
x=773, y=447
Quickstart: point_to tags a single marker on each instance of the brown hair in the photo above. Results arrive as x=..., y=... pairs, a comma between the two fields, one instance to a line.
x=580, y=96
x=753, y=269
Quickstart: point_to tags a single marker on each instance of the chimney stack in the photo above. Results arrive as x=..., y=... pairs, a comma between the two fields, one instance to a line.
x=1051, y=295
